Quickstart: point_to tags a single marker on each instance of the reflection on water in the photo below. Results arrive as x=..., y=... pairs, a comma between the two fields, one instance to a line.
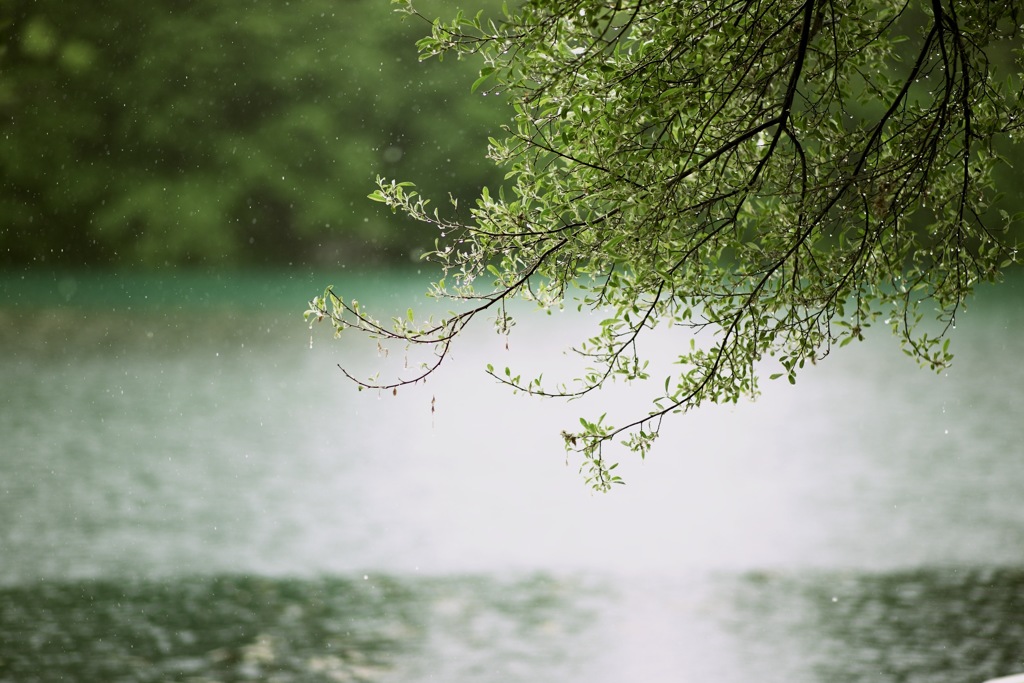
x=189, y=492
x=229, y=628
x=921, y=626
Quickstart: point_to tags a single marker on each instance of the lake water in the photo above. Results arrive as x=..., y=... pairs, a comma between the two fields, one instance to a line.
x=189, y=492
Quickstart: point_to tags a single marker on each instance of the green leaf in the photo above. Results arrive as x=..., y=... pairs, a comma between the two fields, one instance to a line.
x=479, y=81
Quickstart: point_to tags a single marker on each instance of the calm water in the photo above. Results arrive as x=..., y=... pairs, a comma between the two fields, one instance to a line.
x=189, y=492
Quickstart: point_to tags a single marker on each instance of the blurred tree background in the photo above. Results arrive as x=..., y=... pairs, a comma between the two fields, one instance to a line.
x=248, y=133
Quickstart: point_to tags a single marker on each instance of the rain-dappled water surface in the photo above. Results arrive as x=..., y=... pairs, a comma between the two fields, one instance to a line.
x=190, y=492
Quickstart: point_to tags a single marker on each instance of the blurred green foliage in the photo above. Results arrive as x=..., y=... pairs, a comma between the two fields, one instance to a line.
x=175, y=132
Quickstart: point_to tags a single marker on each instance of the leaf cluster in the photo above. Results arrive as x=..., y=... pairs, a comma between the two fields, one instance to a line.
x=768, y=177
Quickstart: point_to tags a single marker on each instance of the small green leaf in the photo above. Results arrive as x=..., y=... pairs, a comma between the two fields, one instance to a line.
x=478, y=82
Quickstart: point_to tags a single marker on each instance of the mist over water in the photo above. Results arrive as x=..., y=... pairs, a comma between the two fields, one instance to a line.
x=179, y=461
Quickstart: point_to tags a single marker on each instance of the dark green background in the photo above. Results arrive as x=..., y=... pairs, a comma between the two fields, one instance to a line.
x=247, y=133
x=172, y=132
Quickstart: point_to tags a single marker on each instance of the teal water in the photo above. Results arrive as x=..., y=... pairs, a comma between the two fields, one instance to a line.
x=189, y=492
